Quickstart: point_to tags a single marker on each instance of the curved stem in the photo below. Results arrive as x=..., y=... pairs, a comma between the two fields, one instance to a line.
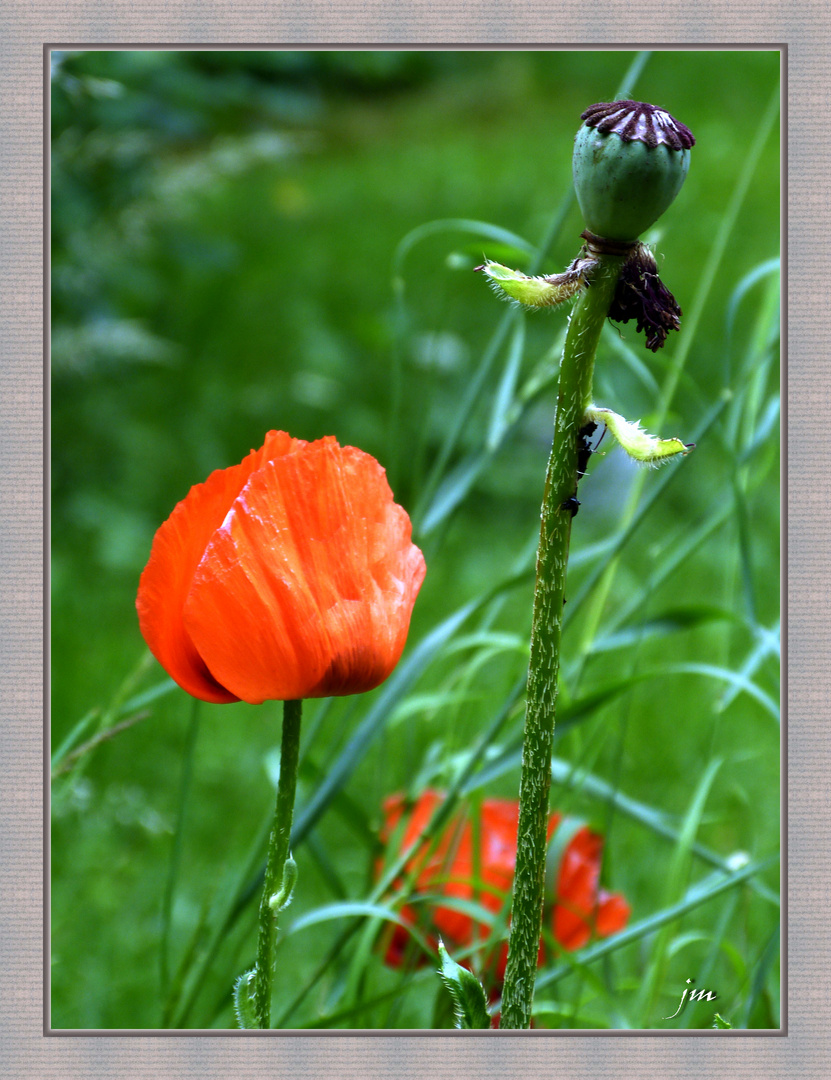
x=278, y=853
x=574, y=395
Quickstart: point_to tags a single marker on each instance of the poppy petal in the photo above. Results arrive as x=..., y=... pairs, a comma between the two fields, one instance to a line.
x=307, y=587
x=579, y=908
x=612, y=913
x=178, y=547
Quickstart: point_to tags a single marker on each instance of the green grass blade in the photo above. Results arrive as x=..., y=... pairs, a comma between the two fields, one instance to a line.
x=669, y=621
x=760, y=976
x=765, y=269
x=455, y=487
x=80, y=754
x=727, y=224
x=504, y=396
x=658, y=821
x=70, y=755
x=204, y=946
x=353, y=909
x=735, y=678
x=718, y=941
x=745, y=550
x=450, y=225
x=613, y=341
x=767, y=645
x=73, y=739
x=471, y=395
x=337, y=1018
x=676, y=876
x=699, y=894
x=147, y=697
x=176, y=850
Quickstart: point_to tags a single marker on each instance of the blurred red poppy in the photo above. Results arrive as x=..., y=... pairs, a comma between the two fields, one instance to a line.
x=574, y=911
x=291, y=575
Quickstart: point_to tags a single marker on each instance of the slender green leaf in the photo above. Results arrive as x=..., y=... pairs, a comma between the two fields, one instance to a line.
x=166, y=686
x=767, y=645
x=351, y=910
x=735, y=678
x=671, y=620
x=454, y=225
x=453, y=489
x=74, y=738
x=768, y=268
x=504, y=397
x=176, y=850
x=470, y=1003
x=673, y=887
x=764, y=965
x=698, y=894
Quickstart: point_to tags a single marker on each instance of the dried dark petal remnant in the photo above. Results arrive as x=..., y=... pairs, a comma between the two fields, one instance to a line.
x=642, y=296
x=637, y=121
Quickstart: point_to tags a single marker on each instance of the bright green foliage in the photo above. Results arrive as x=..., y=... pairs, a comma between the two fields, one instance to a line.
x=470, y=1003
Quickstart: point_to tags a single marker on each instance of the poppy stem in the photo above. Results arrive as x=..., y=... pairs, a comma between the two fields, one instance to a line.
x=278, y=872
x=558, y=507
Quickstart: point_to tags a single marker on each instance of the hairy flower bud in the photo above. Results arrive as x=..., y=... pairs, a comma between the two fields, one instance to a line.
x=630, y=160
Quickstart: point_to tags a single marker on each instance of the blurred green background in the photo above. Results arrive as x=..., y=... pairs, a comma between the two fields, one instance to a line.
x=233, y=250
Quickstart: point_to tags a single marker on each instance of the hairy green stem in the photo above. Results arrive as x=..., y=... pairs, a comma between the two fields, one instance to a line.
x=574, y=395
x=278, y=853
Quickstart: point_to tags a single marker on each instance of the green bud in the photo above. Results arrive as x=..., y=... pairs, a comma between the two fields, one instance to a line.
x=244, y=1004
x=280, y=900
x=639, y=444
x=630, y=160
x=538, y=292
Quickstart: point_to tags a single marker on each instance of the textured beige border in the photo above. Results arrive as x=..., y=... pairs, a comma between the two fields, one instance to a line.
x=24, y=1051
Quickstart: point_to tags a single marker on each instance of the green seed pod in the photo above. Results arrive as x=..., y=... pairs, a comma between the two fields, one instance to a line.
x=630, y=160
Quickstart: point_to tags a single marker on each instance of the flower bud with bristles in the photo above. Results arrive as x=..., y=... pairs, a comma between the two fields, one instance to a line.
x=538, y=292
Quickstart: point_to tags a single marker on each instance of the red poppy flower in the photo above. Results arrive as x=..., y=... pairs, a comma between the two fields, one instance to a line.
x=291, y=575
x=578, y=908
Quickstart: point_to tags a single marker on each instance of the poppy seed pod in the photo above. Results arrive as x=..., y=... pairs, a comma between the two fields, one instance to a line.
x=630, y=160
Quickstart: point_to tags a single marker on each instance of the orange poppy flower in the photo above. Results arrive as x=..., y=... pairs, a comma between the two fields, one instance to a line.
x=291, y=575
x=577, y=909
